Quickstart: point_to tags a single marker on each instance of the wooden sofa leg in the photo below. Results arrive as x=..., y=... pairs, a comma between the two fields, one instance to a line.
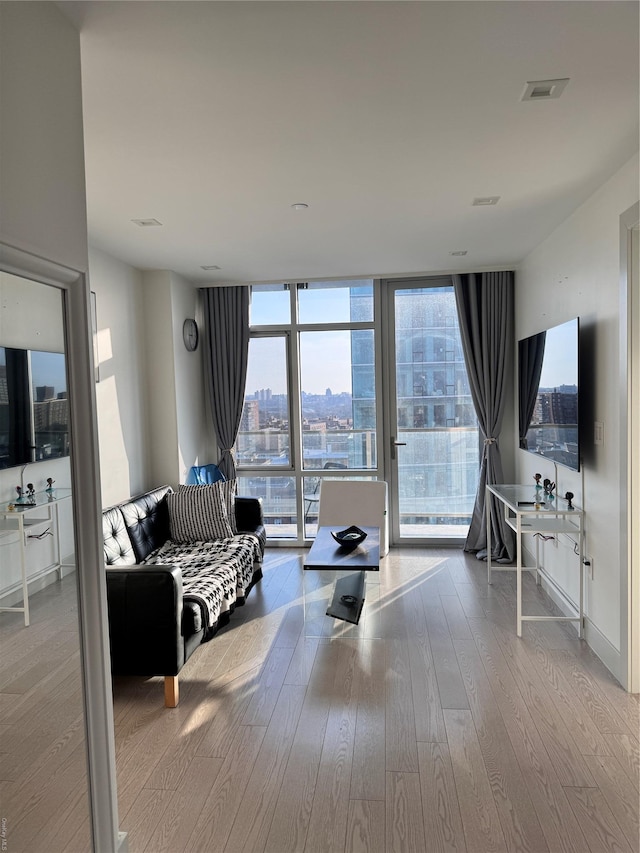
x=171, y=691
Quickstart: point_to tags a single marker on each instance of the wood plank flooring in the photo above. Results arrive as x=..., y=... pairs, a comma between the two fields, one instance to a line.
x=428, y=727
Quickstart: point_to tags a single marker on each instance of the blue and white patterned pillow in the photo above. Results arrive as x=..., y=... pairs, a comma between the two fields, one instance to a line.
x=198, y=514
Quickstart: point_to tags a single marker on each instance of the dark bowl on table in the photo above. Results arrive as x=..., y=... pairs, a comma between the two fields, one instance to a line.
x=349, y=538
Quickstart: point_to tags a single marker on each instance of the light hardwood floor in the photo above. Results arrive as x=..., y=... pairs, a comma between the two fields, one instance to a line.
x=428, y=727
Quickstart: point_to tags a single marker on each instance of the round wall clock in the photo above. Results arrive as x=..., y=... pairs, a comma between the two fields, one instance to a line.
x=190, y=334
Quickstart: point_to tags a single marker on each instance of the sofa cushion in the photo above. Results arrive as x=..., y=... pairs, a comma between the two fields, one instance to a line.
x=228, y=489
x=198, y=514
x=147, y=521
x=118, y=550
x=191, y=618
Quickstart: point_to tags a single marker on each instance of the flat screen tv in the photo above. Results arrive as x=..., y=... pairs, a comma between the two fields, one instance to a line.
x=548, y=385
x=34, y=409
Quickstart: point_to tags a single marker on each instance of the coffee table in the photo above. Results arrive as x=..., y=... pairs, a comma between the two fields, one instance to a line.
x=349, y=592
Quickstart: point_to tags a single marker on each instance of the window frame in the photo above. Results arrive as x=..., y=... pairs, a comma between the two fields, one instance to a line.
x=292, y=331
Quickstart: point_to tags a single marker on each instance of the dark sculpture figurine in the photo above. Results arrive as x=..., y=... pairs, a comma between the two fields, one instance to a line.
x=537, y=478
x=19, y=491
x=569, y=497
x=549, y=487
x=30, y=489
x=50, y=483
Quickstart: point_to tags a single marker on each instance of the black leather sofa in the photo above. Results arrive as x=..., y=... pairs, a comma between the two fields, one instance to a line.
x=153, y=626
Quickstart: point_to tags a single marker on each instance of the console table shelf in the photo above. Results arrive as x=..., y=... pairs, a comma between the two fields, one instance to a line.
x=23, y=517
x=528, y=510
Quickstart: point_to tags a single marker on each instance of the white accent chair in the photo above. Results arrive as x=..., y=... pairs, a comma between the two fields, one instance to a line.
x=364, y=502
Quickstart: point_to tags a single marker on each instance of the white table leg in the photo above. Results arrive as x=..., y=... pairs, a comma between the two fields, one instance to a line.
x=23, y=568
x=581, y=558
x=487, y=512
x=519, y=576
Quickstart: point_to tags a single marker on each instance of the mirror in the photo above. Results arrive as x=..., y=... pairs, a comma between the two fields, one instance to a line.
x=45, y=801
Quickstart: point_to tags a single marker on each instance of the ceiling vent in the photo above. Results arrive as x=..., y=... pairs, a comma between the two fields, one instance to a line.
x=210, y=267
x=485, y=201
x=146, y=223
x=459, y=254
x=541, y=90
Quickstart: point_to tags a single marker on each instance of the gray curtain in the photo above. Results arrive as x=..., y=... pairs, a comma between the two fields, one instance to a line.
x=485, y=314
x=530, y=354
x=226, y=311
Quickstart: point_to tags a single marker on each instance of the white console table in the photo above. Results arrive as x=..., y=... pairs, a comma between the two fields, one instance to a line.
x=529, y=510
x=25, y=516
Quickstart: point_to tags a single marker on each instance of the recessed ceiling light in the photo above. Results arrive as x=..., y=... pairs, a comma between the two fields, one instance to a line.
x=483, y=201
x=459, y=253
x=541, y=90
x=299, y=205
x=146, y=223
x=210, y=267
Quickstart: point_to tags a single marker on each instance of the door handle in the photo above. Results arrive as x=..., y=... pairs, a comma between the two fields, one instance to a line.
x=395, y=444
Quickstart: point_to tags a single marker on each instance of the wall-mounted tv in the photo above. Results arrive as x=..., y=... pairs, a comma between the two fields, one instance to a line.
x=34, y=409
x=548, y=380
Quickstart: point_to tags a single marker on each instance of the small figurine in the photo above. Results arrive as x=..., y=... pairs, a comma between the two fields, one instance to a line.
x=30, y=490
x=537, y=478
x=50, y=483
x=569, y=497
x=19, y=491
x=549, y=488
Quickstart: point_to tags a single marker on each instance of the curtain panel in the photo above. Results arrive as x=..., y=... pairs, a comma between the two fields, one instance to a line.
x=485, y=312
x=530, y=355
x=226, y=350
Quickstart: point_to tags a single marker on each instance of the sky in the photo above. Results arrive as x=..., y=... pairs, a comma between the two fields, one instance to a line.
x=325, y=363
x=325, y=356
x=47, y=368
x=560, y=365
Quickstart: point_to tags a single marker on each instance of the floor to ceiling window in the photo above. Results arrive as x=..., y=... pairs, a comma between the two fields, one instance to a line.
x=310, y=402
x=317, y=388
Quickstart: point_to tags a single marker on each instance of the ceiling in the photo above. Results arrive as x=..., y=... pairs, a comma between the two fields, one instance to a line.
x=386, y=118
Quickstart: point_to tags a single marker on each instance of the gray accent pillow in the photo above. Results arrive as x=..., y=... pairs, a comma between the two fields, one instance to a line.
x=198, y=514
x=229, y=488
x=229, y=491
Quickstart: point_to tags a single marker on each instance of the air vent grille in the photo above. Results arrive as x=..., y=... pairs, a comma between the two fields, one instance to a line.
x=541, y=90
x=485, y=201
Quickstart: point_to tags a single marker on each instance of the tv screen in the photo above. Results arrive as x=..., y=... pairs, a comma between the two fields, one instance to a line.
x=548, y=394
x=34, y=409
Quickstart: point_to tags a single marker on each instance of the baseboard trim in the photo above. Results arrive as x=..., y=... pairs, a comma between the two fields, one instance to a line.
x=12, y=595
x=593, y=636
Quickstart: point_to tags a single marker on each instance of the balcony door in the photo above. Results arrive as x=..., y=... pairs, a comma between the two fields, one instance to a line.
x=432, y=441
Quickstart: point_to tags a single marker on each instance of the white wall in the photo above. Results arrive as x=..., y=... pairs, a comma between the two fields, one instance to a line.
x=43, y=191
x=121, y=397
x=575, y=272
x=160, y=380
x=150, y=394
x=173, y=380
x=190, y=401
